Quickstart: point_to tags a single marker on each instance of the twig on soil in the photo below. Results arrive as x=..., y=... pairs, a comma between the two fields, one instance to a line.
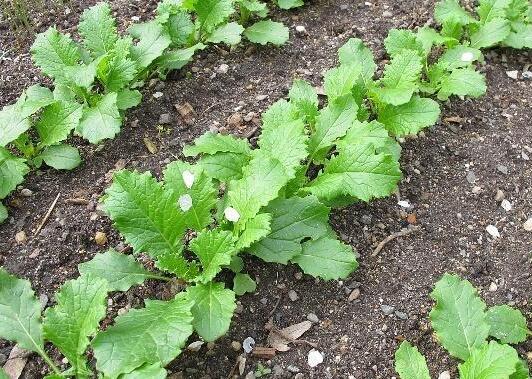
x=402, y=233
x=274, y=307
x=47, y=215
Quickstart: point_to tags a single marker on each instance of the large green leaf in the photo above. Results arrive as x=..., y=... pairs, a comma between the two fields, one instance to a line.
x=447, y=11
x=490, y=9
x=410, y=118
x=57, y=121
x=60, y=157
x=153, y=371
x=150, y=335
x=214, y=249
x=98, y=29
x=152, y=38
x=34, y=99
x=305, y=98
x=507, y=324
x=243, y=283
x=13, y=122
x=12, y=171
x=119, y=270
x=20, y=313
x=268, y=31
x=116, y=70
x=224, y=166
x=81, y=305
x=399, y=39
x=354, y=52
x=463, y=82
x=230, y=34
x=101, y=121
x=212, y=13
x=326, y=258
x=520, y=38
x=213, y=309
x=490, y=361
x=370, y=132
x=212, y=143
x=53, y=52
x=459, y=317
x=490, y=33
x=293, y=220
x=409, y=363
x=339, y=81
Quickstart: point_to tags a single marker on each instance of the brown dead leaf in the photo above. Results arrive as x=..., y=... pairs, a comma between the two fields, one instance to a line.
x=454, y=119
x=411, y=218
x=150, y=145
x=280, y=338
x=186, y=112
x=16, y=362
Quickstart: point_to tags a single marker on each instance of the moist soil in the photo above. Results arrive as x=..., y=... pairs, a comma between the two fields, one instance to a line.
x=451, y=175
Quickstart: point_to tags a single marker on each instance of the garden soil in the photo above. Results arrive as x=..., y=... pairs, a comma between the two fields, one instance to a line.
x=452, y=173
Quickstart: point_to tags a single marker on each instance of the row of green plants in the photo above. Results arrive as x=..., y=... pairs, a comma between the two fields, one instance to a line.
x=478, y=336
x=271, y=201
x=97, y=80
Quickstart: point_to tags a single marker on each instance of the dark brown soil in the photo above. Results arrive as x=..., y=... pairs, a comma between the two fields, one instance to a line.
x=357, y=338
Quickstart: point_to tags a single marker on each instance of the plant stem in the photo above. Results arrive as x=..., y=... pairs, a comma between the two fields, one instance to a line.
x=160, y=277
x=48, y=361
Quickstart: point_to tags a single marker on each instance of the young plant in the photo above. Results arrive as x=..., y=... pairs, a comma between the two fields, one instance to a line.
x=478, y=337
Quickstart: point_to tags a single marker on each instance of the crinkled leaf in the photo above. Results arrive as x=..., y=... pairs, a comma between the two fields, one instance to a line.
x=119, y=270
x=339, y=81
x=179, y=27
x=152, y=38
x=293, y=220
x=61, y=157
x=13, y=122
x=326, y=258
x=243, y=283
x=20, y=313
x=53, y=52
x=98, y=30
x=268, y=31
x=212, y=13
x=212, y=143
x=101, y=121
x=490, y=9
x=305, y=98
x=490, y=361
x=153, y=371
x=410, y=363
x=154, y=334
x=458, y=318
x=520, y=38
x=214, y=249
x=357, y=171
x=428, y=37
x=3, y=213
x=450, y=11
x=12, y=171
x=411, y=117
x=370, y=132
x=279, y=113
x=213, y=309
x=521, y=371
x=230, y=34
x=224, y=166
x=35, y=98
x=57, y=121
x=289, y=4
x=176, y=59
x=127, y=98
x=399, y=39
x=176, y=264
x=256, y=229
x=81, y=305
x=455, y=57
x=490, y=33
x=116, y=70
x=354, y=52
x=507, y=324
x=202, y=192
x=462, y=82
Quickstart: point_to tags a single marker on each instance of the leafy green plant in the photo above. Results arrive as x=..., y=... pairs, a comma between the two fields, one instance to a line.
x=478, y=337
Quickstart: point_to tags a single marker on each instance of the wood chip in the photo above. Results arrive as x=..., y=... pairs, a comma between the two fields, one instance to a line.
x=280, y=338
x=454, y=119
x=186, y=112
x=263, y=352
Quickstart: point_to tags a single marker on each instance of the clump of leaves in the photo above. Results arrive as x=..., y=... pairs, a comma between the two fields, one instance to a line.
x=470, y=332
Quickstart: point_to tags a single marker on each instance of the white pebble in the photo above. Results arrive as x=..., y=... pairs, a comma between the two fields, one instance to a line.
x=506, y=205
x=493, y=231
x=301, y=29
x=185, y=202
x=445, y=375
x=404, y=204
x=231, y=214
x=222, y=69
x=158, y=95
x=528, y=225
x=314, y=358
x=493, y=287
x=512, y=74
x=188, y=178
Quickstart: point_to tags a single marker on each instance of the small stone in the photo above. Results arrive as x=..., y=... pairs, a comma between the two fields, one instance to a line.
x=445, y=375
x=235, y=120
x=354, y=295
x=165, y=118
x=293, y=368
x=401, y=315
x=293, y=295
x=493, y=287
x=476, y=190
x=366, y=219
x=301, y=29
x=313, y=318
x=387, y=14
x=314, y=358
x=100, y=238
x=210, y=345
x=528, y=225
x=250, y=375
x=261, y=97
x=506, y=205
x=158, y=95
x=527, y=74
x=20, y=237
x=186, y=111
x=502, y=169
x=236, y=346
x=248, y=344
x=250, y=116
x=26, y=192
x=471, y=177
x=493, y=231
x=298, y=275
x=222, y=69
x=404, y=204
x=299, y=375
x=512, y=74
x=499, y=196
x=387, y=309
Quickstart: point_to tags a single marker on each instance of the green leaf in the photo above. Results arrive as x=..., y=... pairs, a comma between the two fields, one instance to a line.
x=116, y=70
x=3, y=213
x=521, y=371
x=174, y=60
x=119, y=270
x=279, y=113
x=236, y=265
x=214, y=249
x=12, y=171
x=332, y=123
x=411, y=117
x=490, y=9
x=450, y=11
x=354, y=52
x=98, y=30
x=326, y=258
x=357, y=171
x=305, y=98
x=400, y=39
x=224, y=166
x=213, y=309
x=410, y=363
x=3, y=374
x=289, y=4
x=212, y=13
x=152, y=335
x=339, y=81
x=370, y=132
x=152, y=38
x=177, y=265
x=522, y=38
x=256, y=229
x=230, y=34
x=212, y=143
x=61, y=157
x=463, y=82
x=145, y=213
x=490, y=33
x=428, y=37
x=153, y=371
x=179, y=27
x=458, y=318
x=268, y=31
x=490, y=361
x=53, y=52
x=243, y=283
x=507, y=324
x=101, y=121
x=13, y=122
x=127, y=98
x=35, y=98
x=81, y=305
x=201, y=191
x=57, y=121
x=400, y=78
x=293, y=220
x=20, y=313
x=458, y=57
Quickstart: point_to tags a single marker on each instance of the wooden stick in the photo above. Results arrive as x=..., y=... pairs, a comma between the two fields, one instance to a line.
x=47, y=215
x=402, y=233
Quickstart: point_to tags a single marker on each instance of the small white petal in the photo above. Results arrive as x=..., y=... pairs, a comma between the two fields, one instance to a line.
x=231, y=214
x=185, y=202
x=314, y=358
x=188, y=178
x=493, y=231
x=467, y=57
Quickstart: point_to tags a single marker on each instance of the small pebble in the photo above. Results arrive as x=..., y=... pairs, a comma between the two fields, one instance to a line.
x=301, y=29
x=401, y=315
x=293, y=368
x=314, y=358
x=20, y=237
x=261, y=97
x=222, y=69
x=387, y=14
x=493, y=287
x=528, y=225
x=165, y=118
x=502, y=169
x=354, y=295
x=493, y=231
x=293, y=295
x=26, y=192
x=445, y=375
x=471, y=177
x=100, y=238
x=512, y=74
x=210, y=345
x=499, y=196
x=506, y=205
x=387, y=309
x=158, y=95
x=248, y=344
x=236, y=346
x=313, y=318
